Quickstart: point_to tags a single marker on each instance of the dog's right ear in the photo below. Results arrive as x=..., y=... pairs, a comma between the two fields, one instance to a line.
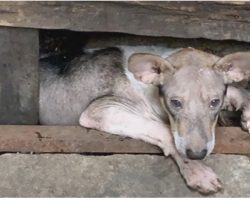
x=148, y=68
x=234, y=67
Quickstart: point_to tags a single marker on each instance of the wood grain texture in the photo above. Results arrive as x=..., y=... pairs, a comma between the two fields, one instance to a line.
x=75, y=139
x=212, y=20
x=19, y=76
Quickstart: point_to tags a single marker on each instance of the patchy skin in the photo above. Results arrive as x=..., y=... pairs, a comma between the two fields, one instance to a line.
x=127, y=91
x=74, y=85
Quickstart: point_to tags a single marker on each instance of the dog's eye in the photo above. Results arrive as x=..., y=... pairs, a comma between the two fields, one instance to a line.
x=176, y=103
x=214, y=103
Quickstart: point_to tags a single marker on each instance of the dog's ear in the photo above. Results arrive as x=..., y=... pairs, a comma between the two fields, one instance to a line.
x=148, y=68
x=234, y=67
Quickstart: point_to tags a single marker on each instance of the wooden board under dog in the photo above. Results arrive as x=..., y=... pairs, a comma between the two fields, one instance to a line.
x=75, y=139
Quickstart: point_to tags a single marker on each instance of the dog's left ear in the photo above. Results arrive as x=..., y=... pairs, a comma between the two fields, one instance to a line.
x=234, y=67
x=149, y=68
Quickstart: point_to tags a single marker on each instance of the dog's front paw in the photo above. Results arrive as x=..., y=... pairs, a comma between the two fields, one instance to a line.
x=245, y=124
x=200, y=177
x=245, y=120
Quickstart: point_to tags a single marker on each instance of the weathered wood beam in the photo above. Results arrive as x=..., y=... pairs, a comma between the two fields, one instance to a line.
x=19, y=86
x=213, y=20
x=75, y=139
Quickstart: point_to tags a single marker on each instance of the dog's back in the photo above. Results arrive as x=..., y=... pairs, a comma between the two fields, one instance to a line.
x=65, y=92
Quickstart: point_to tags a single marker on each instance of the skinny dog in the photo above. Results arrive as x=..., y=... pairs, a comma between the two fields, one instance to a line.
x=167, y=97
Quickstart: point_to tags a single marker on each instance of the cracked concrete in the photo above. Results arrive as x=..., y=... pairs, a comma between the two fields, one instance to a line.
x=71, y=175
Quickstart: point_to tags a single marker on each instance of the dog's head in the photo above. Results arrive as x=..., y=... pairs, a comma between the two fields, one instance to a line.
x=192, y=86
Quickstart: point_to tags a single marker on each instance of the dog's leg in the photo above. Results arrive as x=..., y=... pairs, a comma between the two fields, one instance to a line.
x=245, y=118
x=120, y=117
x=239, y=99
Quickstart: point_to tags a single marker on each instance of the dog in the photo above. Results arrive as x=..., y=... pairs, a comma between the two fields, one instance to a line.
x=167, y=97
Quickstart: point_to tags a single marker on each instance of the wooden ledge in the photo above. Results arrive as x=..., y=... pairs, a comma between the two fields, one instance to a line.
x=197, y=19
x=75, y=139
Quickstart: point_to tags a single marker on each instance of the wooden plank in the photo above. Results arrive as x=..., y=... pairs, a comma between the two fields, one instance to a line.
x=18, y=76
x=75, y=139
x=213, y=20
x=232, y=140
x=67, y=139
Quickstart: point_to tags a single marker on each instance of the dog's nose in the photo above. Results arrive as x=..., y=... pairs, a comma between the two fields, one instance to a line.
x=196, y=155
